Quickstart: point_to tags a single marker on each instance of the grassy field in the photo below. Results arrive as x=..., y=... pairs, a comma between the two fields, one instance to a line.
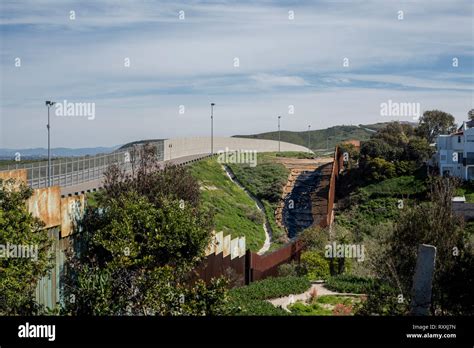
x=235, y=212
x=265, y=181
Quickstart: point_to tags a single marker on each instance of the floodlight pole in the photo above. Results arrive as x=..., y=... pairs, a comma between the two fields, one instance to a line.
x=279, y=137
x=212, y=128
x=309, y=136
x=48, y=126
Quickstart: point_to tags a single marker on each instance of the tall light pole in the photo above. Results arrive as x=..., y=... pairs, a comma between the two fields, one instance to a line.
x=279, y=138
x=212, y=128
x=48, y=105
x=309, y=136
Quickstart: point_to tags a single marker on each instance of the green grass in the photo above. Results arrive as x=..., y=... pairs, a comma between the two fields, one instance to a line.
x=251, y=299
x=378, y=203
x=349, y=284
x=320, y=139
x=266, y=182
x=235, y=212
x=402, y=185
x=466, y=190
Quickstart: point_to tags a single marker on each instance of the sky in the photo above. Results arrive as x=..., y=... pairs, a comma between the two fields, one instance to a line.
x=150, y=69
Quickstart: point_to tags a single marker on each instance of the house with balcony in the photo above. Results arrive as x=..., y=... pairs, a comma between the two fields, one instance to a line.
x=455, y=152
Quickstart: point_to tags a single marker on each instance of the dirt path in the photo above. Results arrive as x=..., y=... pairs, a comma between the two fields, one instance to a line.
x=284, y=302
x=266, y=225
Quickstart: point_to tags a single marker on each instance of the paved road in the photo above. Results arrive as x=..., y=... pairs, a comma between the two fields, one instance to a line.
x=93, y=185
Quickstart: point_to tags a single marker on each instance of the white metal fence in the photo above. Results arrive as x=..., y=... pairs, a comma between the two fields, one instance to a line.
x=72, y=171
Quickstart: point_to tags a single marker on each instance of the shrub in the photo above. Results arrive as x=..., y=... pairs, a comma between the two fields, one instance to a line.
x=288, y=269
x=349, y=283
x=251, y=299
x=341, y=309
x=314, y=265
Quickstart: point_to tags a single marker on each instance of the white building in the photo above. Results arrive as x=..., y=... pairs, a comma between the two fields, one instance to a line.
x=455, y=152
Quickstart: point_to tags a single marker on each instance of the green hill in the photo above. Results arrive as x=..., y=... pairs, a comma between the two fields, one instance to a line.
x=320, y=138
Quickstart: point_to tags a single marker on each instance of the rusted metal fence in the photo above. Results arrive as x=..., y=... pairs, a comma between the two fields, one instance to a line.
x=249, y=267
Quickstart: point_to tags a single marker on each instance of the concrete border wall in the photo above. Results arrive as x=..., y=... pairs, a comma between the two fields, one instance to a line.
x=181, y=147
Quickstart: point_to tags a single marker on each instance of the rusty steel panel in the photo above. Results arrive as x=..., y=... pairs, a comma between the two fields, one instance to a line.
x=234, y=248
x=20, y=175
x=72, y=211
x=45, y=204
x=219, y=242
x=226, y=246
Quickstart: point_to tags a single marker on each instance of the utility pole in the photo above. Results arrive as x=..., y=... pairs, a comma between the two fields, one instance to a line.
x=212, y=128
x=48, y=105
x=309, y=136
x=279, y=137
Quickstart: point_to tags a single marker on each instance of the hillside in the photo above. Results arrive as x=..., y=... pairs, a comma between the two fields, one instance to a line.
x=323, y=138
x=235, y=213
x=320, y=138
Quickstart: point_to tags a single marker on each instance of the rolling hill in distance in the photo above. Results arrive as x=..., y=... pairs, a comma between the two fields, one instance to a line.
x=320, y=139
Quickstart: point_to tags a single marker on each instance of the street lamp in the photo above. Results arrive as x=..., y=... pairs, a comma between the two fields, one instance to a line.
x=212, y=128
x=309, y=136
x=48, y=105
x=279, y=137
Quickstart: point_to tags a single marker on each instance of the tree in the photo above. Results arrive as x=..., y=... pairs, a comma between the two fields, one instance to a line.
x=431, y=223
x=434, y=123
x=138, y=250
x=470, y=114
x=20, y=275
x=395, y=134
x=378, y=169
x=419, y=150
x=377, y=148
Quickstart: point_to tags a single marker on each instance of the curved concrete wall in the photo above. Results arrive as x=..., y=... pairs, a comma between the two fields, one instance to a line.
x=179, y=147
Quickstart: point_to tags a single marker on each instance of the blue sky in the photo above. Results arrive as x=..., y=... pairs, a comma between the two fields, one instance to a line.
x=190, y=62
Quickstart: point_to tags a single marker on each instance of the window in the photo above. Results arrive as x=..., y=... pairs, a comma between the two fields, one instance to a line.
x=470, y=158
x=459, y=138
x=460, y=157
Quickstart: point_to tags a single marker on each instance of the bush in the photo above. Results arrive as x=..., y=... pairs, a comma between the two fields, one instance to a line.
x=349, y=283
x=314, y=265
x=251, y=299
x=288, y=269
x=379, y=169
x=273, y=288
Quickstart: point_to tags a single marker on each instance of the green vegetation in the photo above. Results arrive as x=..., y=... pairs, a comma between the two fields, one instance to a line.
x=294, y=154
x=265, y=181
x=20, y=275
x=325, y=305
x=139, y=245
x=320, y=139
x=314, y=265
x=235, y=212
x=466, y=189
x=400, y=186
x=250, y=300
x=349, y=284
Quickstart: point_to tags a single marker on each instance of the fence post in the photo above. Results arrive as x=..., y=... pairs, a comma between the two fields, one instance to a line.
x=248, y=267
